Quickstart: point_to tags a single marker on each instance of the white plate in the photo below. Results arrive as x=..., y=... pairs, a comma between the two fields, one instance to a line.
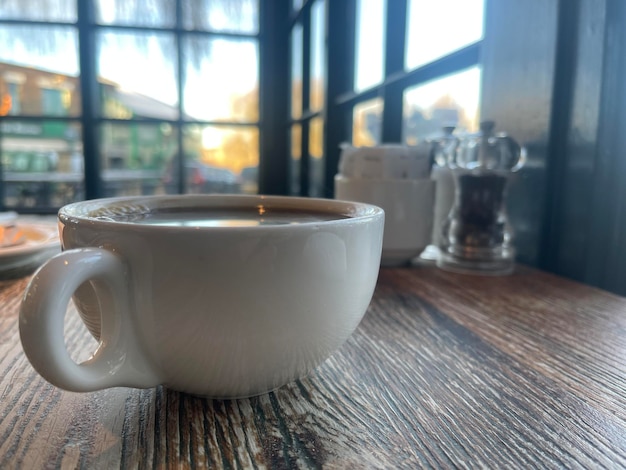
x=42, y=242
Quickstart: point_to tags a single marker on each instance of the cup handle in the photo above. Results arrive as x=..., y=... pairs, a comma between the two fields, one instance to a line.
x=118, y=360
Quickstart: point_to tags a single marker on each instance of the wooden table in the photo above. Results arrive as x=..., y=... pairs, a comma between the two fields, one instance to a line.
x=445, y=370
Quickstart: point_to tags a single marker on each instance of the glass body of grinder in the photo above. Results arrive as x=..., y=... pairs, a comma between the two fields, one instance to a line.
x=476, y=236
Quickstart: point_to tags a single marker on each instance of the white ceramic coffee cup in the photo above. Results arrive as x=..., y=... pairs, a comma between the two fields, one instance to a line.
x=408, y=206
x=213, y=311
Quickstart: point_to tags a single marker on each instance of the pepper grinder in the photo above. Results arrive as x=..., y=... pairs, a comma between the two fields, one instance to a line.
x=476, y=236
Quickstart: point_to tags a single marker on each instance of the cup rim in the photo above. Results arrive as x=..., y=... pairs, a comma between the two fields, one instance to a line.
x=93, y=212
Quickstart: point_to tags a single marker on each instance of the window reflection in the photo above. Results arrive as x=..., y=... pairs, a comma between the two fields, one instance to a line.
x=369, y=44
x=367, y=123
x=435, y=29
x=450, y=101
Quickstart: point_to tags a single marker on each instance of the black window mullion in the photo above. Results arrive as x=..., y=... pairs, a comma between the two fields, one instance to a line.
x=178, y=30
x=340, y=39
x=395, y=41
x=274, y=111
x=89, y=99
x=454, y=62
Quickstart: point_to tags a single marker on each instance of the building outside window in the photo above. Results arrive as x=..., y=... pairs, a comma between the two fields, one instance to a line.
x=12, y=98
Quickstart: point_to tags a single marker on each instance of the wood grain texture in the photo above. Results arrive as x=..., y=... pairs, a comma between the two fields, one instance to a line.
x=445, y=370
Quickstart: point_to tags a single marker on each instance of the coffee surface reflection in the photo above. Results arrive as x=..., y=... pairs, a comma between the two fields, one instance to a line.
x=225, y=218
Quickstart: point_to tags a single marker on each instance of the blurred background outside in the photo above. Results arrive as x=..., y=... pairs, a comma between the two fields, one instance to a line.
x=171, y=86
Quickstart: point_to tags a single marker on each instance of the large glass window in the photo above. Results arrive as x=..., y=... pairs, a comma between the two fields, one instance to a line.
x=230, y=16
x=416, y=70
x=41, y=156
x=318, y=56
x=316, y=154
x=44, y=10
x=451, y=101
x=172, y=90
x=295, y=140
x=42, y=163
x=217, y=87
x=367, y=123
x=127, y=63
x=435, y=29
x=369, y=51
x=154, y=13
x=296, y=72
x=396, y=72
x=39, y=70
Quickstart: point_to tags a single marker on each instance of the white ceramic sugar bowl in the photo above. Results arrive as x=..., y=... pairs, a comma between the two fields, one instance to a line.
x=395, y=178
